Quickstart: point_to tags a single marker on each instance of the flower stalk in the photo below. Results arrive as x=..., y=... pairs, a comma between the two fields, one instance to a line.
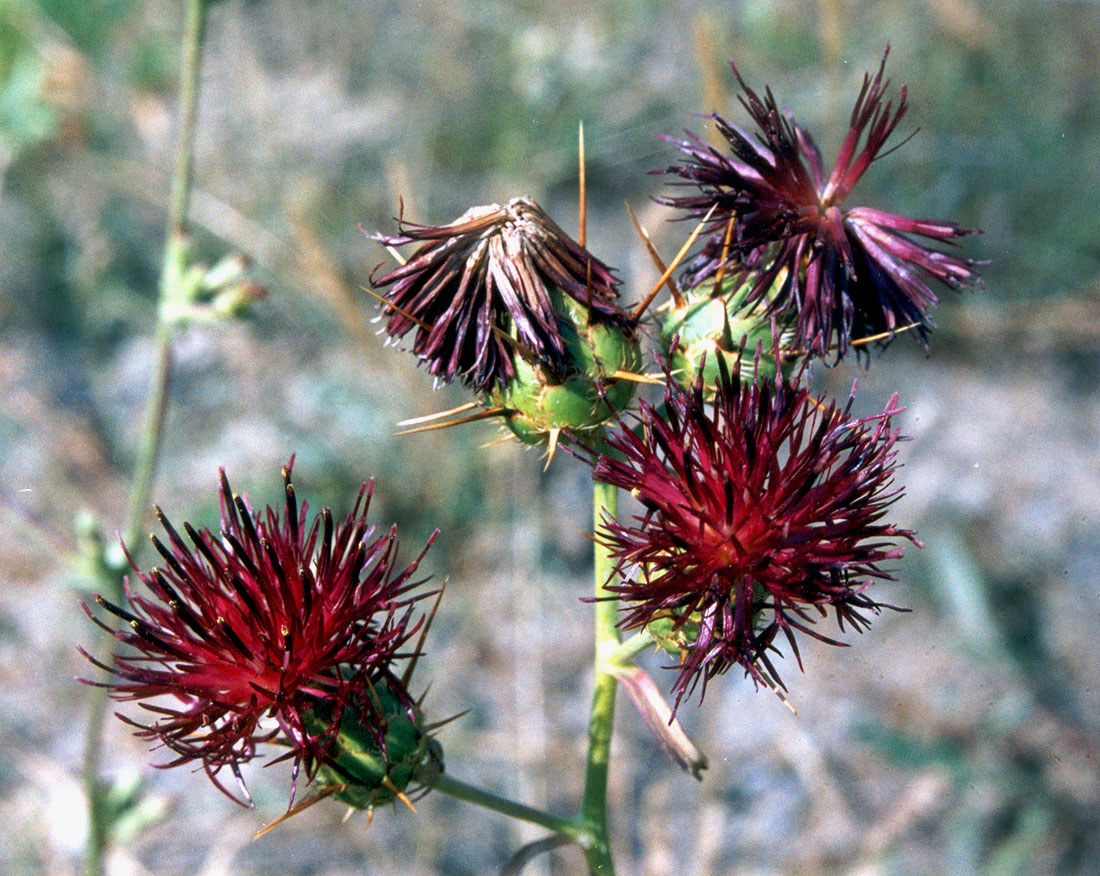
x=174, y=266
x=572, y=828
x=601, y=720
x=618, y=658
x=172, y=270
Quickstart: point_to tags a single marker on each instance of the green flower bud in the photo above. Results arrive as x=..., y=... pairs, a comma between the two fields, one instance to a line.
x=228, y=271
x=194, y=294
x=235, y=302
x=582, y=397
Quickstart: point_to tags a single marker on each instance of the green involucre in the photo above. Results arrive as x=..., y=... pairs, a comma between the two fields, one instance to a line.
x=356, y=762
x=541, y=402
x=706, y=329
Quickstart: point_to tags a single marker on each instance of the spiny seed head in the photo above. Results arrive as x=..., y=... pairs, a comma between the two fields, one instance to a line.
x=480, y=292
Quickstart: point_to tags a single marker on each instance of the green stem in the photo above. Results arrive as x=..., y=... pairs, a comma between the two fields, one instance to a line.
x=172, y=271
x=152, y=434
x=173, y=268
x=600, y=723
x=567, y=827
x=95, y=847
x=625, y=651
x=179, y=203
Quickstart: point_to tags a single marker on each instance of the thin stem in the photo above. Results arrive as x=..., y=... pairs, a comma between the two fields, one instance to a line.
x=172, y=270
x=625, y=651
x=567, y=827
x=152, y=433
x=96, y=843
x=600, y=723
x=180, y=199
x=173, y=267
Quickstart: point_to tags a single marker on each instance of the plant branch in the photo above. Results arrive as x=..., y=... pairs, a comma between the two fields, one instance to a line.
x=567, y=827
x=173, y=268
x=624, y=652
x=601, y=720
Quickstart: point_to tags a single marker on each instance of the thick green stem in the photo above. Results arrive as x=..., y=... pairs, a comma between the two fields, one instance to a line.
x=601, y=720
x=172, y=271
x=572, y=828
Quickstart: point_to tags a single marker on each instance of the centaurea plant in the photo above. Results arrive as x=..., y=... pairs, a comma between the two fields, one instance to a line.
x=763, y=507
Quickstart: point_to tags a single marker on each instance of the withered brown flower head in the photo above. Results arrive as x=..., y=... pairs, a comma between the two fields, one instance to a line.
x=481, y=289
x=760, y=512
x=251, y=634
x=846, y=272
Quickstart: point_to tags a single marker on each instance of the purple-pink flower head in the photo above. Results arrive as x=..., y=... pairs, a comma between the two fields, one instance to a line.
x=482, y=288
x=843, y=272
x=760, y=512
x=248, y=635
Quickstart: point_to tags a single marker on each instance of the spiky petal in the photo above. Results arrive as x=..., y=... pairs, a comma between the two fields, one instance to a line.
x=849, y=272
x=250, y=631
x=479, y=290
x=759, y=513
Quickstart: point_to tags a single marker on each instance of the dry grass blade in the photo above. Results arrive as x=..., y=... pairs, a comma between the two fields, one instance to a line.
x=714, y=97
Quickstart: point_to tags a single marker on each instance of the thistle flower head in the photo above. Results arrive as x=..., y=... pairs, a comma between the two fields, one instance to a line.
x=276, y=629
x=760, y=512
x=849, y=271
x=480, y=291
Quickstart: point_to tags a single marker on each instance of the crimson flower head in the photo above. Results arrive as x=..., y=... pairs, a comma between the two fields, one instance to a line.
x=273, y=630
x=482, y=288
x=760, y=513
x=842, y=272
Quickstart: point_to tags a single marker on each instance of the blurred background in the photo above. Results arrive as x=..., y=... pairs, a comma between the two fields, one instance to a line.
x=962, y=737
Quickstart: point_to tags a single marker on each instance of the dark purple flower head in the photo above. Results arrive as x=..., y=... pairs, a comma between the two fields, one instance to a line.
x=250, y=634
x=486, y=278
x=844, y=272
x=760, y=512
